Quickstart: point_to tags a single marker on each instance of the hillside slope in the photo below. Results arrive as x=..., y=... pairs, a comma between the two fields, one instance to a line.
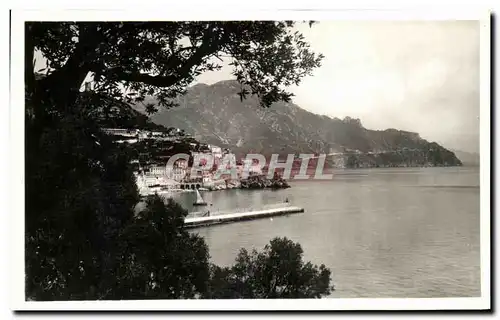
x=215, y=114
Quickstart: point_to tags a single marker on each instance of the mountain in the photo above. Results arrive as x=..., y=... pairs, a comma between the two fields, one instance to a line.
x=467, y=158
x=110, y=113
x=215, y=114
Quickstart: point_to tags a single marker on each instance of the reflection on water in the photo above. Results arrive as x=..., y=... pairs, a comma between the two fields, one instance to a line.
x=383, y=232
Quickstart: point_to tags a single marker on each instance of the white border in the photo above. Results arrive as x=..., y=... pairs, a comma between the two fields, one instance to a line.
x=485, y=154
x=16, y=155
x=200, y=13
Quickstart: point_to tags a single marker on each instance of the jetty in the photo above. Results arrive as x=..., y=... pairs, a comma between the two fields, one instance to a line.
x=194, y=222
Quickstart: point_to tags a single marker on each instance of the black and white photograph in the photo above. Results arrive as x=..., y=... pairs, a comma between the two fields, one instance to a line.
x=283, y=160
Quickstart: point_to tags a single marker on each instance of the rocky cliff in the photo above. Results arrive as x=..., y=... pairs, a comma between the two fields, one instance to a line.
x=215, y=114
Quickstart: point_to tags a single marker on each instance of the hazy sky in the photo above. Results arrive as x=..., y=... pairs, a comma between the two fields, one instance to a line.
x=416, y=76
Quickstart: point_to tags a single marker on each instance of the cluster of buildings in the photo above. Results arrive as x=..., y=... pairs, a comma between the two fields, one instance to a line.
x=158, y=178
x=181, y=176
x=135, y=135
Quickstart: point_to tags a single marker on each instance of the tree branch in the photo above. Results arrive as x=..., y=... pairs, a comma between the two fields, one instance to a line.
x=29, y=74
x=159, y=81
x=178, y=68
x=29, y=49
x=62, y=84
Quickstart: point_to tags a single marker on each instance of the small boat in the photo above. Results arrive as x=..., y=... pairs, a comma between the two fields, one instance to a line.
x=199, y=200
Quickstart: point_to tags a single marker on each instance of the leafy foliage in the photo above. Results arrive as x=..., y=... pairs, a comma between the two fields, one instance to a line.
x=83, y=239
x=158, y=258
x=80, y=192
x=277, y=272
x=163, y=58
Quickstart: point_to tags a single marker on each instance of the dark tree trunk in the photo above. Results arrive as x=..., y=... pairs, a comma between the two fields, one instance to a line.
x=60, y=89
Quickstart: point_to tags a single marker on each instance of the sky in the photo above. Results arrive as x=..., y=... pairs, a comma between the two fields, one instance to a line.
x=420, y=76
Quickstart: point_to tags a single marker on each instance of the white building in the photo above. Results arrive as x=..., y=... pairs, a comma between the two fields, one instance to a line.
x=143, y=134
x=217, y=153
x=158, y=171
x=181, y=163
x=215, y=149
x=176, y=173
x=121, y=132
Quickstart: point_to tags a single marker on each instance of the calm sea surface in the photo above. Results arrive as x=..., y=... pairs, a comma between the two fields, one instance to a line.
x=411, y=232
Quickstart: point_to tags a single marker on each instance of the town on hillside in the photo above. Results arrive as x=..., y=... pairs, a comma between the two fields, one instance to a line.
x=154, y=176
